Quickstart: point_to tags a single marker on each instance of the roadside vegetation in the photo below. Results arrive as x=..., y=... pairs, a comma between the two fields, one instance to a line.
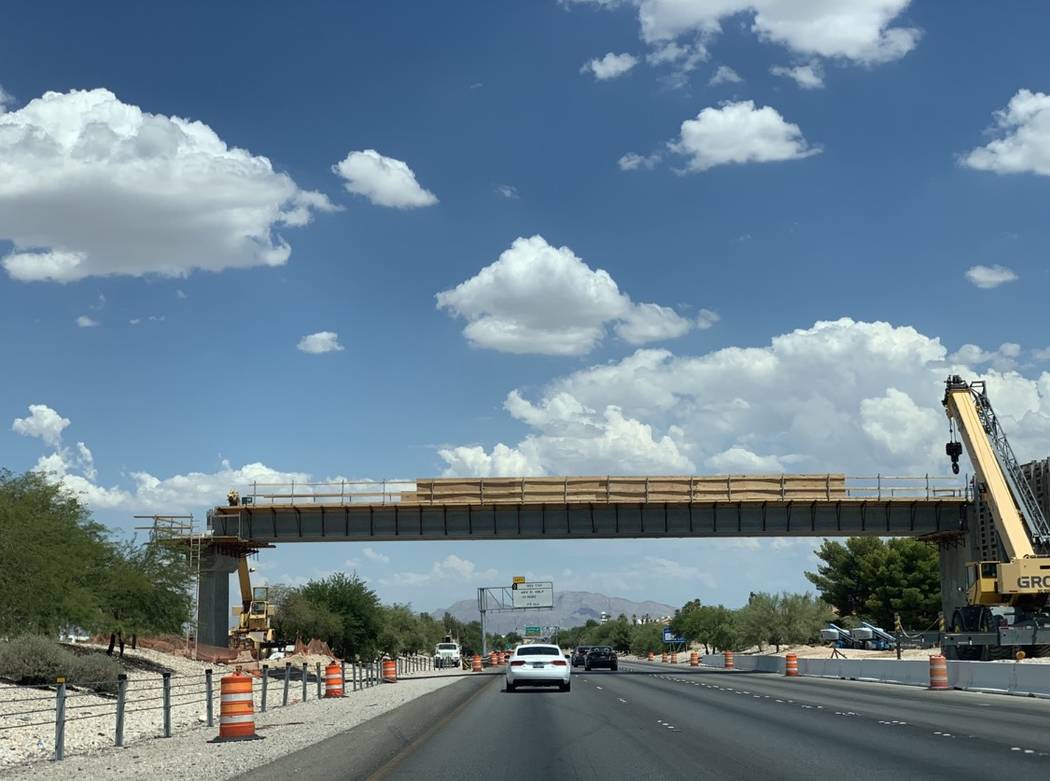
x=767, y=620
x=63, y=573
x=344, y=612
x=872, y=579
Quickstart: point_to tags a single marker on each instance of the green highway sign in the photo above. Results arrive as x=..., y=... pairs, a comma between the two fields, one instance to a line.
x=532, y=630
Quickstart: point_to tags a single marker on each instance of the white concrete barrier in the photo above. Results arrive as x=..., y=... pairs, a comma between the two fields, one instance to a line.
x=998, y=677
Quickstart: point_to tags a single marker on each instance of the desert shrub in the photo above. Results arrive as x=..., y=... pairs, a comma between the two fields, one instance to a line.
x=33, y=660
x=96, y=671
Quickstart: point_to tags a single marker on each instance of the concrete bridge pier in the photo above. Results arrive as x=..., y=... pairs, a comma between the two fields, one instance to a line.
x=213, y=624
x=954, y=556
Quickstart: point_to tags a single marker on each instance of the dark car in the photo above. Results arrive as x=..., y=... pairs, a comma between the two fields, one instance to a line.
x=601, y=656
x=579, y=656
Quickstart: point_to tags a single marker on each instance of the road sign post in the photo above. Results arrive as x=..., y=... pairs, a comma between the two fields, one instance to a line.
x=520, y=595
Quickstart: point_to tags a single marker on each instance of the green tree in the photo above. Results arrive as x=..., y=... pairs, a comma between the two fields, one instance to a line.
x=59, y=569
x=298, y=618
x=50, y=553
x=357, y=607
x=141, y=590
x=872, y=579
x=646, y=638
x=719, y=629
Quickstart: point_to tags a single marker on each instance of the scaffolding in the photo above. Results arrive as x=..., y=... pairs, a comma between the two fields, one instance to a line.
x=181, y=530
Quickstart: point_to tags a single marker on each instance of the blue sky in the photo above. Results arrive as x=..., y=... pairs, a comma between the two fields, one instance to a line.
x=777, y=280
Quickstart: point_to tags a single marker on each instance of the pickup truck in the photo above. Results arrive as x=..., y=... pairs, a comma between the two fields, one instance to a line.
x=447, y=654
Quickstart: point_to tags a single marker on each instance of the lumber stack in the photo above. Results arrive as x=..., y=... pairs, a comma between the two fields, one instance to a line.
x=677, y=489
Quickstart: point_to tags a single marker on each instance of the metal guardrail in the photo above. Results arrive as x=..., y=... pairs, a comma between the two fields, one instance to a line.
x=607, y=489
x=65, y=703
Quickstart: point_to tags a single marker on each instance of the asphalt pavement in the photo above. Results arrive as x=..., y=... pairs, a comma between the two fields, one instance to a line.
x=654, y=721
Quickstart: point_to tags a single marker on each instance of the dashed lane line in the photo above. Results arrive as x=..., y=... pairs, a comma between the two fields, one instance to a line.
x=847, y=714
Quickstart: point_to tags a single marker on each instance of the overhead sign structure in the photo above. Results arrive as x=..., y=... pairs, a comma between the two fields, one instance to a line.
x=532, y=595
x=671, y=637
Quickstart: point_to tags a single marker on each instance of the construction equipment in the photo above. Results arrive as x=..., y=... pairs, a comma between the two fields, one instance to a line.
x=1006, y=608
x=254, y=631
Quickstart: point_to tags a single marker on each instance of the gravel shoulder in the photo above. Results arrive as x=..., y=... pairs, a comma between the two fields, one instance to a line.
x=189, y=755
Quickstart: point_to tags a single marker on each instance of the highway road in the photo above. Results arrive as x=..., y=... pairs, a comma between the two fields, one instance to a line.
x=653, y=721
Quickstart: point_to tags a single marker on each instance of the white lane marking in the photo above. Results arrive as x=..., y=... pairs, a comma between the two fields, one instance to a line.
x=599, y=688
x=621, y=699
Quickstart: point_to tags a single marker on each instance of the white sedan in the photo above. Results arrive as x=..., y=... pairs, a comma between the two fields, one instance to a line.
x=538, y=665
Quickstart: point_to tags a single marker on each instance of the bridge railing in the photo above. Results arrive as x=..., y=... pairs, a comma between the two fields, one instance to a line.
x=332, y=492
x=608, y=489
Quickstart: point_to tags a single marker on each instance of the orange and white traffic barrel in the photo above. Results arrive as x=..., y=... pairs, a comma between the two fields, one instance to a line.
x=493, y=658
x=475, y=664
x=674, y=657
x=791, y=665
x=938, y=672
x=333, y=680
x=729, y=660
x=389, y=671
x=663, y=657
x=651, y=656
x=237, y=709
x=694, y=659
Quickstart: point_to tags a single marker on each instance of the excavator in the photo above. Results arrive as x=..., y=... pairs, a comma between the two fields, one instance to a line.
x=1007, y=601
x=254, y=631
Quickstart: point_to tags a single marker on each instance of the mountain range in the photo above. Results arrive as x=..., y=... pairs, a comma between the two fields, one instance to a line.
x=571, y=608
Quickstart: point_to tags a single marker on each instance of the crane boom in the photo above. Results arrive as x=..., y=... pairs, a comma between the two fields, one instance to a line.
x=961, y=404
x=1023, y=580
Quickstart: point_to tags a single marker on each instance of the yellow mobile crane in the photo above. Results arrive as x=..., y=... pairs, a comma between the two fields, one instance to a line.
x=1007, y=600
x=254, y=631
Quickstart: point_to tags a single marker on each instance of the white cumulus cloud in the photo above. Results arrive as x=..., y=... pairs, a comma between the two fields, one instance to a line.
x=43, y=423
x=738, y=132
x=86, y=322
x=706, y=318
x=842, y=395
x=651, y=323
x=633, y=162
x=372, y=555
x=610, y=66
x=383, y=180
x=724, y=75
x=809, y=76
x=862, y=31
x=990, y=276
x=91, y=186
x=451, y=568
x=537, y=298
x=320, y=342
x=1004, y=358
x=569, y=436
x=1024, y=145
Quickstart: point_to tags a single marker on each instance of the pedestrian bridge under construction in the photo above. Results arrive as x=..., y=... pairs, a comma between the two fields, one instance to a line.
x=576, y=508
x=593, y=508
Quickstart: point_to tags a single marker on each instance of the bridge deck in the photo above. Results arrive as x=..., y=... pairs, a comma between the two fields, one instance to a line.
x=589, y=520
